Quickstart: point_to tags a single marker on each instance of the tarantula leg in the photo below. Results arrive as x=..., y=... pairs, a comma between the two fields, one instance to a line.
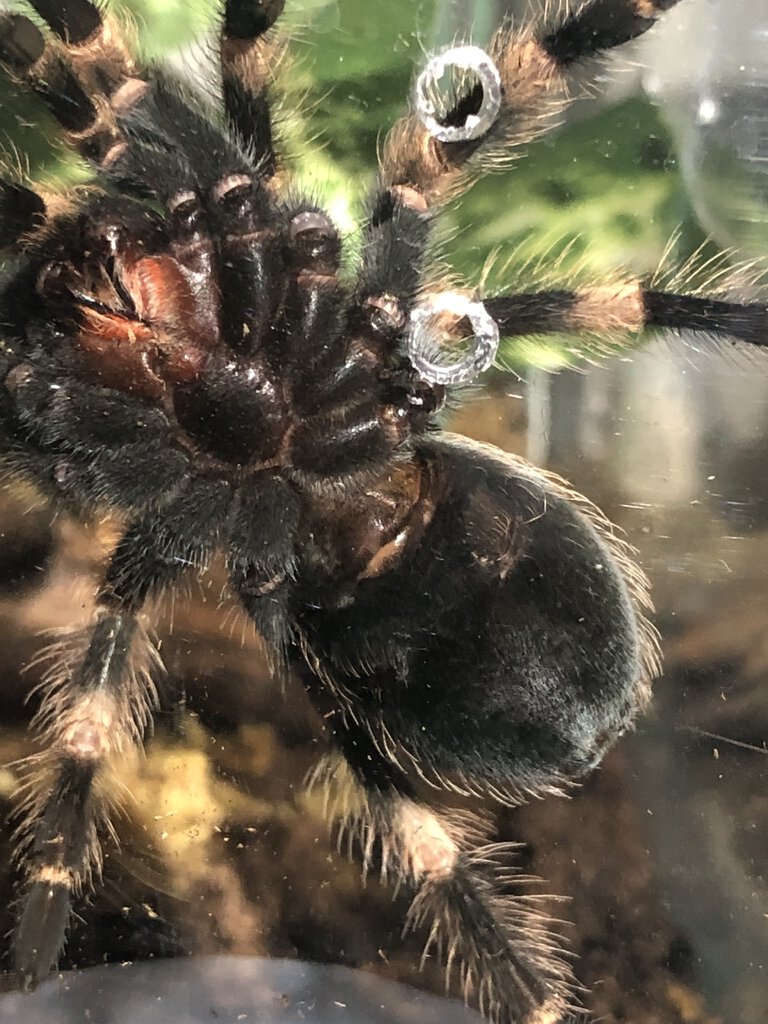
x=252, y=264
x=155, y=160
x=432, y=151
x=334, y=369
x=98, y=51
x=21, y=211
x=427, y=359
x=338, y=358
x=177, y=123
x=72, y=20
x=348, y=419
x=159, y=548
x=247, y=59
x=262, y=558
x=24, y=54
x=505, y=957
x=395, y=241
x=92, y=709
x=507, y=960
x=325, y=371
x=97, y=697
x=626, y=307
x=363, y=434
x=600, y=25
x=434, y=154
x=88, y=59
x=746, y=321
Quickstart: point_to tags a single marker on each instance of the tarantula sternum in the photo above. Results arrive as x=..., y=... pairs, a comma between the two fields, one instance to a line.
x=178, y=347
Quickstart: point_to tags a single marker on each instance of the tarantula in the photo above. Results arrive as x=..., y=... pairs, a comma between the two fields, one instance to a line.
x=178, y=348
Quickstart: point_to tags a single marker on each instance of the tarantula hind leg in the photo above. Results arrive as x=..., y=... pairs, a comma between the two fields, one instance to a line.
x=465, y=895
x=96, y=700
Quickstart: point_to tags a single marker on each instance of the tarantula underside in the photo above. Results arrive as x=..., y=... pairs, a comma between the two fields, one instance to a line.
x=180, y=349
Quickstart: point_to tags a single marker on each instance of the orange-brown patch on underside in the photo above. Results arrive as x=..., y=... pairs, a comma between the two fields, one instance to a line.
x=168, y=338
x=177, y=292
x=129, y=355
x=403, y=504
x=369, y=538
x=160, y=290
x=121, y=352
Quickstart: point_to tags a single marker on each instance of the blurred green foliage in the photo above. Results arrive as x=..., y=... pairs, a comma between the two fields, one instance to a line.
x=601, y=194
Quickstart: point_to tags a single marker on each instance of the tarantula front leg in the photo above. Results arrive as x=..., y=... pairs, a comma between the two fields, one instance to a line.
x=626, y=307
x=97, y=697
x=500, y=101
x=85, y=76
x=247, y=58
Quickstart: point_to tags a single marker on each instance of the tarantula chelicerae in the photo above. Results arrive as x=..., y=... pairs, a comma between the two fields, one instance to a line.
x=179, y=348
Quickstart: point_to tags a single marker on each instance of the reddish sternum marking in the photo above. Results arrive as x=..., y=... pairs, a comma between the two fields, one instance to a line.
x=167, y=341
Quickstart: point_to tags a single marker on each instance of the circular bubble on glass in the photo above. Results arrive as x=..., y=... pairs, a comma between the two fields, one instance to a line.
x=428, y=356
x=463, y=58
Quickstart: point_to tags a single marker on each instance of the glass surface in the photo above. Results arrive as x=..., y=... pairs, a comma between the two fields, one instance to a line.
x=661, y=854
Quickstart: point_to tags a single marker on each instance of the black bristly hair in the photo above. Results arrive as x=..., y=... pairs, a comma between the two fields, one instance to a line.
x=180, y=348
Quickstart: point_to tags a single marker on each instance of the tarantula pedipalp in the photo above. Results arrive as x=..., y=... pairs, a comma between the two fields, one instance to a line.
x=179, y=347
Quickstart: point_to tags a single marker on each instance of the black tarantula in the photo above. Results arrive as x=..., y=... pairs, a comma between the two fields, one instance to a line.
x=178, y=348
